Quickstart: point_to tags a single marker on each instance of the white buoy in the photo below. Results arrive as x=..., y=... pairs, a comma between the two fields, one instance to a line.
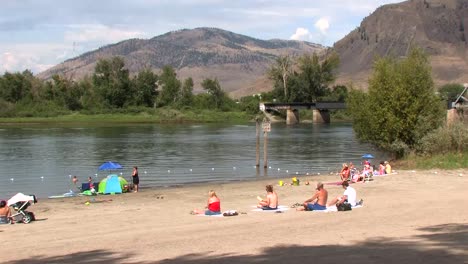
x=168, y=171
x=145, y=172
x=269, y=167
x=11, y=179
x=69, y=176
x=287, y=171
x=307, y=173
x=279, y=169
x=212, y=169
x=297, y=173
x=191, y=170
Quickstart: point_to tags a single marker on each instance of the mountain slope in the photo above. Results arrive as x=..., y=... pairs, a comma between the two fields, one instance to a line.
x=237, y=61
x=438, y=26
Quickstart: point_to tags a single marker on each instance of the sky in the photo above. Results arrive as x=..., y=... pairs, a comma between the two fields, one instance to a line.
x=38, y=34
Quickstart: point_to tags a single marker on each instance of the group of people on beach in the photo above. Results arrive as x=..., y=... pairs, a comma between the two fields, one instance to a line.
x=351, y=173
x=91, y=186
x=317, y=202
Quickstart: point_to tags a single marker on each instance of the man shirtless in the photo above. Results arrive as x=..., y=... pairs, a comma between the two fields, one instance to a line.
x=318, y=201
x=271, y=201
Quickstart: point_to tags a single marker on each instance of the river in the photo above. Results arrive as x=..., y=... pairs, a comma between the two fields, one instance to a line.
x=40, y=160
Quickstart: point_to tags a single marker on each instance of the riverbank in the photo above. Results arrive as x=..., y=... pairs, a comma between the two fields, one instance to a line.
x=410, y=217
x=155, y=116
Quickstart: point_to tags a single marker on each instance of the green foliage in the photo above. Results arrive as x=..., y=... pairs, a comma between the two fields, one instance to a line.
x=144, y=88
x=16, y=86
x=316, y=75
x=111, y=82
x=186, y=96
x=445, y=140
x=217, y=95
x=170, y=87
x=401, y=106
x=279, y=73
x=451, y=91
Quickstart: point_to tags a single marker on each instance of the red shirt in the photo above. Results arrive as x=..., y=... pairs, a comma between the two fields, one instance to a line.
x=215, y=206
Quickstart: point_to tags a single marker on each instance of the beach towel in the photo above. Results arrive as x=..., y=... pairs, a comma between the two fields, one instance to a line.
x=281, y=208
x=334, y=209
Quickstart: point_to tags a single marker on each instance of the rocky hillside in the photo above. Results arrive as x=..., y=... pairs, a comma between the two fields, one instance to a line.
x=237, y=61
x=438, y=26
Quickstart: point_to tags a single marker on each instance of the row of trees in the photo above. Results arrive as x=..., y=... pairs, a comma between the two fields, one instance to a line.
x=109, y=87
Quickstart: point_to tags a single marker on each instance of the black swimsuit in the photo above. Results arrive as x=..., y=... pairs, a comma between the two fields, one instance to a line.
x=135, y=178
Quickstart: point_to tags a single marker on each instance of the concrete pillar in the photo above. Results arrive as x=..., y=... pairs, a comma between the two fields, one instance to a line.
x=452, y=116
x=321, y=116
x=292, y=116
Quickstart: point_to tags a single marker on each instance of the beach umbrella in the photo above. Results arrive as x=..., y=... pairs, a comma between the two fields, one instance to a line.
x=367, y=156
x=110, y=165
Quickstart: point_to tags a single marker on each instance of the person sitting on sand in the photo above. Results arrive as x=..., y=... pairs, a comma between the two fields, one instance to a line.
x=213, y=206
x=5, y=212
x=381, y=168
x=388, y=168
x=271, y=201
x=318, y=200
x=344, y=173
x=349, y=196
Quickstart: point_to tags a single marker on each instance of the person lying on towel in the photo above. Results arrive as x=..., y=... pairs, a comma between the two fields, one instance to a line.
x=271, y=201
x=318, y=200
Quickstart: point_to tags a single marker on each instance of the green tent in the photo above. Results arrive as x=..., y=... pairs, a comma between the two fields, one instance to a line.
x=112, y=184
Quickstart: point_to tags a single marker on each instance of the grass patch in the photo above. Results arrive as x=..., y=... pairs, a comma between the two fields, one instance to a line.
x=447, y=161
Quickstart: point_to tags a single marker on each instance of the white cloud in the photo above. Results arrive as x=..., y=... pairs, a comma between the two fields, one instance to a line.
x=98, y=33
x=301, y=34
x=322, y=25
x=36, y=57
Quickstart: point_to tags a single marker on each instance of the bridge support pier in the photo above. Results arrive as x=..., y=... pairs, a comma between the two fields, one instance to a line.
x=321, y=116
x=292, y=116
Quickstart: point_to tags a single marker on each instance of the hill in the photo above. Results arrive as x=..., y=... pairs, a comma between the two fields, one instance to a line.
x=239, y=62
x=438, y=26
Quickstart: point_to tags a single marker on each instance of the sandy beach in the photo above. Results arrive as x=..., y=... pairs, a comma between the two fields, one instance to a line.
x=410, y=217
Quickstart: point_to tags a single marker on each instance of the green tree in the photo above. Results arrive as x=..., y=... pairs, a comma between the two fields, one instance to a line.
x=280, y=72
x=16, y=86
x=401, y=106
x=317, y=76
x=186, y=95
x=451, y=91
x=213, y=88
x=145, y=88
x=170, y=87
x=111, y=81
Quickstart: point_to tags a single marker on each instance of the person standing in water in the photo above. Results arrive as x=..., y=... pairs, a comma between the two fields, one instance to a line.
x=135, y=179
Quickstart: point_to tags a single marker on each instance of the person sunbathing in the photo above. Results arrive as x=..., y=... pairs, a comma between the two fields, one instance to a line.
x=318, y=200
x=271, y=201
x=344, y=173
x=213, y=206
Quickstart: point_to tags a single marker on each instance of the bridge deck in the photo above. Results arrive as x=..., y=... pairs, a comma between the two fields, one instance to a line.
x=290, y=106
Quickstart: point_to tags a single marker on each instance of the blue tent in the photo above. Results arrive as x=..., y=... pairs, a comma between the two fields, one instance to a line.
x=111, y=184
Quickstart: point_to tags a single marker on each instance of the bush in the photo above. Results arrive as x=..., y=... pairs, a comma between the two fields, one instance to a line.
x=445, y=140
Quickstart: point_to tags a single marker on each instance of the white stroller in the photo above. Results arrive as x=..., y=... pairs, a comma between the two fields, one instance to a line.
x=20, y=202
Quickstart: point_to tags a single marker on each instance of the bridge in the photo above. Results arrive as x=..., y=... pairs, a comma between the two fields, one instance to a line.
x=320, y=110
